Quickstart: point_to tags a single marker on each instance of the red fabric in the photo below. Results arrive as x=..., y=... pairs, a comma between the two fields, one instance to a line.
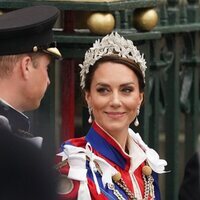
x=67, y=84
x=67, y=100
x=72, y=195
x=78, y=142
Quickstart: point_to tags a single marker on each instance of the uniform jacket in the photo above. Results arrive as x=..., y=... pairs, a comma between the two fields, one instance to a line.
x=14, y=120
x=88, y=164
x=17, y=123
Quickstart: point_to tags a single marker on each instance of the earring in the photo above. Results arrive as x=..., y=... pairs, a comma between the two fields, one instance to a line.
x=136, y=122
x=90, y=113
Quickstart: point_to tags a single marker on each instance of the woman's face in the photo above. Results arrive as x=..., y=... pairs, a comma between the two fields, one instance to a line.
x=114, y=96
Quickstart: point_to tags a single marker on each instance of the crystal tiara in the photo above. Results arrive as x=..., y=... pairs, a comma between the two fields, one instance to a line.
x=109, y=44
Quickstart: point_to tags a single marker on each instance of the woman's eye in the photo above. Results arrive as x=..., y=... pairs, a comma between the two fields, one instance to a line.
x=102, y=90
x=127, y=90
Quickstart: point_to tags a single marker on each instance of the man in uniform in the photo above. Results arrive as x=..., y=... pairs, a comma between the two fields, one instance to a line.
x=26, y=50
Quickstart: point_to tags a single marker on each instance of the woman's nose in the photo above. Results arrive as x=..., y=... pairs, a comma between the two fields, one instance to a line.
x=115, y=100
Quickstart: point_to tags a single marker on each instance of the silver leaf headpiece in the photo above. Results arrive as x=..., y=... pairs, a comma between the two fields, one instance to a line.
x=109, y=44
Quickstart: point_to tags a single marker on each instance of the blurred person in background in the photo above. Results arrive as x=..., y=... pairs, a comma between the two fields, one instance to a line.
x=190, y=186
x=25, y=172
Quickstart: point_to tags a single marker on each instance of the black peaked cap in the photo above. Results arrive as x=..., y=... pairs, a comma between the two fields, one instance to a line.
x=28, y=30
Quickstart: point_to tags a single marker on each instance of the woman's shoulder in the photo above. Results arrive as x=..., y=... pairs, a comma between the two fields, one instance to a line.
x=76, y=142
x=69, y=164
x=67, y=188
x=68, y=148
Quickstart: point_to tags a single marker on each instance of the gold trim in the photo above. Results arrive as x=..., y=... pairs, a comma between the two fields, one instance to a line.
x=54, y=51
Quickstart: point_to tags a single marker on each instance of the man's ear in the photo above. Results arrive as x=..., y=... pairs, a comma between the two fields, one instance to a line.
x=25, y=66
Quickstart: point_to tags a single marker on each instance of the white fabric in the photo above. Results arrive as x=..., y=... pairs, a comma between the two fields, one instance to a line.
x=83, y=192
x=157, y=164
x=77, y=161
x=136, y=154
x=107, y=170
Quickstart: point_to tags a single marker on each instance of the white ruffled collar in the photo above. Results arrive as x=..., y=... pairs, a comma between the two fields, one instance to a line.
x=152, y=157
x=139, y=152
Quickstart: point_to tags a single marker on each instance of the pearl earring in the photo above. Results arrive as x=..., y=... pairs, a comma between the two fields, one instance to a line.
x=136, y=122
x=90, y=113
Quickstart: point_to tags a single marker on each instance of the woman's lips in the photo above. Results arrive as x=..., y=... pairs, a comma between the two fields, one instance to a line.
x=115, y=115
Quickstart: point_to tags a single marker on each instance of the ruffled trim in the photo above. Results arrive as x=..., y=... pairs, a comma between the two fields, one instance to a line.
x=157, y=164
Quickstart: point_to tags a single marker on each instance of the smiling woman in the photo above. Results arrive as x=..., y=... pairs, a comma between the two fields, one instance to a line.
x=111, y=161
x=114, y=98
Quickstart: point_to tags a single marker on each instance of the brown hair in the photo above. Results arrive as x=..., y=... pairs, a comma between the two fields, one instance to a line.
x=7, y=63
x=115, y=59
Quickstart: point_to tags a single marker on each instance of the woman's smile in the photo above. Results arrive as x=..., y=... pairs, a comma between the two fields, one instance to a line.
x=115, y=115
